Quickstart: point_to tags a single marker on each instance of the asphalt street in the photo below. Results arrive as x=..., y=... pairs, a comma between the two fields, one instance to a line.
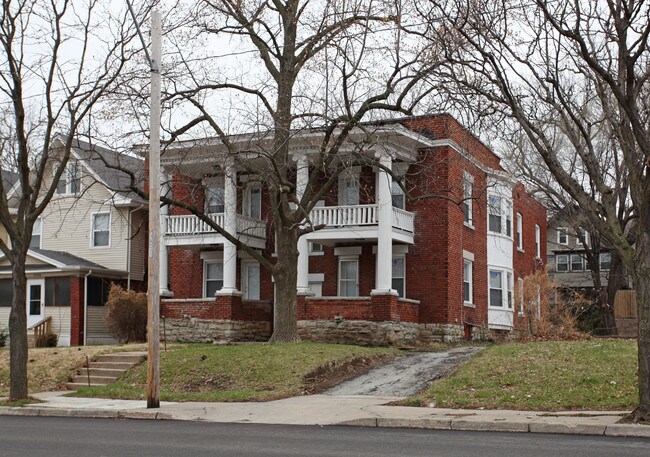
x=65, y=437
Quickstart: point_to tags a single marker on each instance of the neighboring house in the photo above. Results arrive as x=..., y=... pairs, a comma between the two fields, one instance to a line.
x=424, y=270
x=567, y=260
x=91, y=234
x=9, y=179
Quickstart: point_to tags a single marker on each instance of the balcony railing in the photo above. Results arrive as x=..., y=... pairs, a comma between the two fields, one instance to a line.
x=192, y=225
x=359, y=215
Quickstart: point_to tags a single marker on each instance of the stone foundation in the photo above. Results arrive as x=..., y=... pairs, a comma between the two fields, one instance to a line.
x=210, y=330
x=364, y=333
x=440, y=333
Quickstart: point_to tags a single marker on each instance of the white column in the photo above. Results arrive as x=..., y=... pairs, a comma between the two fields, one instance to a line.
x=165, y=188
x=384, y=238
x=302, y=178
x=230, y=225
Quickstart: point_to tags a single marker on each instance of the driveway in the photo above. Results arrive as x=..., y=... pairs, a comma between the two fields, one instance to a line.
x=405, y=376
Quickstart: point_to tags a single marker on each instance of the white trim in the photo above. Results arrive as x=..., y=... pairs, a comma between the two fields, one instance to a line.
x=562, y=231
x=347, y=251
x=467, y=261
x=92, y=229
x=398, y=249
x=211, y=255
x=40, y=234
x=316, y=277
x=520, y=231
x=403, y=277
x=538, y=240
x=248, y=199
x=342, y=259
x=468, y=255
x=245, y=264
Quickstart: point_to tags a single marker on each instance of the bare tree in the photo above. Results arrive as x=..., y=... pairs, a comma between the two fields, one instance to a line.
x=57, y=61
x=317, y=70
x=561, y=71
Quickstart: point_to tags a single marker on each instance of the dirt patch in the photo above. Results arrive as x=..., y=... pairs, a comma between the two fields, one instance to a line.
x=333, y=373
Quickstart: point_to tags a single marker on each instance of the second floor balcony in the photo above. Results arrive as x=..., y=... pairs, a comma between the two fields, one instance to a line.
x=338, y=222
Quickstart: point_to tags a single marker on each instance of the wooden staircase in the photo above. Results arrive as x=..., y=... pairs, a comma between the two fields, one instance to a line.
x=106, y=369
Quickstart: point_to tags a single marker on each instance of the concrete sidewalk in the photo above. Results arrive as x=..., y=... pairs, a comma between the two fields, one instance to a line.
x=367, y=411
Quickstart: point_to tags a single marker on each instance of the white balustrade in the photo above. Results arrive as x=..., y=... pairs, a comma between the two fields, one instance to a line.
x=192, y=225
x=403, y=220
x=339, y=216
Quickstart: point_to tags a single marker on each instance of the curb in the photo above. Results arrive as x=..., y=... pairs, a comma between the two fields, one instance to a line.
x=617, y=430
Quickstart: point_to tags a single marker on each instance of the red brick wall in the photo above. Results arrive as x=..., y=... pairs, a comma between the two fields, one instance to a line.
x=76, y=311
x=318, y=309
x=185, y=273
x=222, y=307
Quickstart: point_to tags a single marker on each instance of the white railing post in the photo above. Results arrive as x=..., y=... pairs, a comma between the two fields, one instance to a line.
x=385, y=227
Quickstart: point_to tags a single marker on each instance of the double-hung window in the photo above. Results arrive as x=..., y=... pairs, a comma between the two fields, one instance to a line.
x=348, y=277
x=509, y=287
x=349, y=188
x=468, y=280
x=538, y=242
x=101, y=229
x=520, y=235
x=577, y=262
x=212, y=278
x=214, y=196
x=37, y=233
x=496, y=288
x=468, y=191
x=397, y=195
x=253, y=201
x=562, y=262
x=70, y=180
x=399, y=275
x=494, y=211
x=605, y=260
x=562, y=236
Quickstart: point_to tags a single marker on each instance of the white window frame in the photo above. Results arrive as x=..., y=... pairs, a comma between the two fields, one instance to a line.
x=403, y=278
x=205, y=276
x=68, y=177
x=316, y=249
x=600, y=260
x=510, y=295
x=248, y=200
x=246, y=289
x=562, y=232
x=520, y=234
x=468, y=202
x=507, y=208
x=210, y=184
x=582, y=262
x=495, y=208
x=93, y=216
x=567, y=263
x=520, y=293
x=469, y=279
x=501, y=288
x=349, y=175
x=342, y=259
x=397, y=193
x=38, y=233
x=538, y=241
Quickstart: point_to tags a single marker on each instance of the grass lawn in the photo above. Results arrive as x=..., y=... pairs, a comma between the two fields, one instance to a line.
x=245, y=372
x=48, y=369
x=559, y=375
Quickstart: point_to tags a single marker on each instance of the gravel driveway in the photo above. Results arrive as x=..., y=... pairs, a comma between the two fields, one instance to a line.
x=405, y=376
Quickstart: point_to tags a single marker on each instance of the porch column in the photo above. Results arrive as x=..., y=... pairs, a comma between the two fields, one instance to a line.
x=302, y=178
x=163, y=276
x=383, y=279
x=230, y=225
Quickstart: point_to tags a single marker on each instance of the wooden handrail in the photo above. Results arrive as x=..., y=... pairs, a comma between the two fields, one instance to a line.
x=41, y=328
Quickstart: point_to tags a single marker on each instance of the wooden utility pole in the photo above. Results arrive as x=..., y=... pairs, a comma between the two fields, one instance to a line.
x=153, y=289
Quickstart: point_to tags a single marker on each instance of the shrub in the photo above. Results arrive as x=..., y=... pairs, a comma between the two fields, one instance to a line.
x=127, y=314
x=47, y=340
x=4, y=334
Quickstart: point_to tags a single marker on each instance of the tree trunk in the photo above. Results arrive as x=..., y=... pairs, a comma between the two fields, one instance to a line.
x=285, y=275
x=641, y=278
x=615, y=282
x=18, y=332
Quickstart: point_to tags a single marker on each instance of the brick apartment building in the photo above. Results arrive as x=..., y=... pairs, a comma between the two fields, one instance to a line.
x=386, y=269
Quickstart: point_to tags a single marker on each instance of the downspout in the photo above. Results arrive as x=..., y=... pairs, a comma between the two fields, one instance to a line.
x=128, y=250
x=86, y=307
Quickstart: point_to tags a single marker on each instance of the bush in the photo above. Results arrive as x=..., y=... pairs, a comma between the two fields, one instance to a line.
x=4, y=334
x=127, y=314
x=47, y=340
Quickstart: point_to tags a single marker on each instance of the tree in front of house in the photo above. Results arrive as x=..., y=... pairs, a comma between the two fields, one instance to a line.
x=565, y=74
x=57, y=60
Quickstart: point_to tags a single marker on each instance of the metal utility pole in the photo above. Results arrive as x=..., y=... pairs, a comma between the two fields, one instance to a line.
x=153, y=289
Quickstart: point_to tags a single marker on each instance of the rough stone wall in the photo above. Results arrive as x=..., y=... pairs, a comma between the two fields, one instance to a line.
x=364, y=333
x=440, y=333
x=205, y=330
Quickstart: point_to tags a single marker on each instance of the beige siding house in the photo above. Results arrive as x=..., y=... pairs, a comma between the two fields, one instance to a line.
x=92, y=234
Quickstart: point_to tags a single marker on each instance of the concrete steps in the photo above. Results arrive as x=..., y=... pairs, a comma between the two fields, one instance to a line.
x=106, y=369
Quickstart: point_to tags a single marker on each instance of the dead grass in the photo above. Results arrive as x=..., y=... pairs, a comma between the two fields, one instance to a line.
x=49, y=369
